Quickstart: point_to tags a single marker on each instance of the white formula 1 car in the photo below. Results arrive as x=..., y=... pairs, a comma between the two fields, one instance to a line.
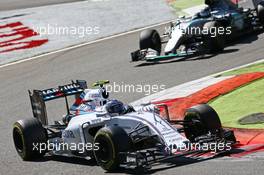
x=112, y=134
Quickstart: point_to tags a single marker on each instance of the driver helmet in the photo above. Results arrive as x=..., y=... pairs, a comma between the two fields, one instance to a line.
x=95, y=97
x=115, y=107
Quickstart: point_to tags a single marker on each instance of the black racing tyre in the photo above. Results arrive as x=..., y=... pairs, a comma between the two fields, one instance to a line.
x=150, y=39
x=202, y=119
x=260, y=12
x=111, y=141
x=215, y=40
x=26, y=134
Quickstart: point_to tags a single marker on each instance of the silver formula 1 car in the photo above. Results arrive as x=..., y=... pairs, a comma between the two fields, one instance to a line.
x=205, y=32
x=113, y=134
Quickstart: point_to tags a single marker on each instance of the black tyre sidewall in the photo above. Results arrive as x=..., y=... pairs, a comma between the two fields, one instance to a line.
x=217, y=43
x=207, y=116
x=32, y=133
x=260, y=12
x=150, y=39
x=191, y=132
x=117, y=140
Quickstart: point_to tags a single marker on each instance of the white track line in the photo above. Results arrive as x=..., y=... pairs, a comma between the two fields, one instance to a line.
x=83, y=44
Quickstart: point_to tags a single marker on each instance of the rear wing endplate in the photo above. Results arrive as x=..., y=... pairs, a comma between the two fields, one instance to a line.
x=39, y=97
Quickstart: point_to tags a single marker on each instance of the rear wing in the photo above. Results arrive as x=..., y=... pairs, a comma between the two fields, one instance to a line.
x=39, y=97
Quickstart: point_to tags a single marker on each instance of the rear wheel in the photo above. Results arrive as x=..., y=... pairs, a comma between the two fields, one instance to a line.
x=202, y=119
x=28, y=135
x=111, y=141
x=150, y=39
x=215, y=41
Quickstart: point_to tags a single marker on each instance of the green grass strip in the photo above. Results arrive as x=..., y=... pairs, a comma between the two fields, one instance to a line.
x=241, y=102
x=183, y=4
x=250, y=69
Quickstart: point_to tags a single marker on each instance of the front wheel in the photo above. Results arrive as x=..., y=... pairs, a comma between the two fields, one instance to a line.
x=202, y=120
x=150, y=39
x=111, y=141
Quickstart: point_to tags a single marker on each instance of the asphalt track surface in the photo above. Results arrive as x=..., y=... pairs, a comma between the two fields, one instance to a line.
x=110, y=60
x=19, y=4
